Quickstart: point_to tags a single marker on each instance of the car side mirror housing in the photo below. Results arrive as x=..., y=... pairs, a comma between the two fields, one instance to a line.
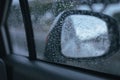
x=82, y=35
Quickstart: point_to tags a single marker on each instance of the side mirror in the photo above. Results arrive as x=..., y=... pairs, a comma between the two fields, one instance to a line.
x=82, y=35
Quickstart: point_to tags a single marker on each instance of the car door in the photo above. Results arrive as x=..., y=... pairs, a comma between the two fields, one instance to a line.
x=24, y=27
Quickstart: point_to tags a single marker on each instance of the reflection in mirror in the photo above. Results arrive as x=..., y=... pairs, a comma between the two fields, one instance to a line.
x=84, y=36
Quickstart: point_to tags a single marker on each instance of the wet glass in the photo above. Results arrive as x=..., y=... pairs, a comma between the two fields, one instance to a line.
x=42, y=17
x=44, y=12
x=17, y=30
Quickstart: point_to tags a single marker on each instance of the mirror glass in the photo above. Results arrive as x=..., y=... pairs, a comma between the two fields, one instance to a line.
x=84, y=36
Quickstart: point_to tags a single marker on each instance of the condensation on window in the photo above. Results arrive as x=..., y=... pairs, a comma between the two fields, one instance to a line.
x=44, y=12
x=17, y=30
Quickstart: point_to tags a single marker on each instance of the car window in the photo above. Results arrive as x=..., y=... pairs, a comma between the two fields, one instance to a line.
x=44, y=12
x=16, y=29
x=42, y=17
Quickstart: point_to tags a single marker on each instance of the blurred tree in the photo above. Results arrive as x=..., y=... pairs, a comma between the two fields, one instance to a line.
x=15, y=16
x=62, y=5
x=38, y=9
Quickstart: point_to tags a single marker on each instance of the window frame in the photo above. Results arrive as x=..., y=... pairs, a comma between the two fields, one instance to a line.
x=24, y=63
x=28, y=28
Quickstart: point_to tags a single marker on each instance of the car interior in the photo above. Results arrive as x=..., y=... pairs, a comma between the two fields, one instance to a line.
x=26, y=53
